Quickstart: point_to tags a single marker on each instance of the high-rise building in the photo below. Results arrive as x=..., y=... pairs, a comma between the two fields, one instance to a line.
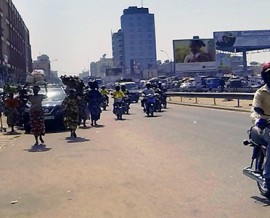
x=118, y=48
x=134, y=46
x=15, y=49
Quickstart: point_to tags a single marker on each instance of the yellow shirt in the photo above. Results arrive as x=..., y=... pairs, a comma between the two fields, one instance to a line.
x=117, y=94
x=104, y=92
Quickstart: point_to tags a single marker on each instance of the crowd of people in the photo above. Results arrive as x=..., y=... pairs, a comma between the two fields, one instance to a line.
x=82, y=103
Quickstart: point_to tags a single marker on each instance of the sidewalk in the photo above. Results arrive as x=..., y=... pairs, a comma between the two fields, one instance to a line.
x=6, y=138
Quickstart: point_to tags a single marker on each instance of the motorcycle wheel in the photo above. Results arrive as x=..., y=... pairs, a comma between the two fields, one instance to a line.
x=263, y=189
x=165, y=105
x=262, y=186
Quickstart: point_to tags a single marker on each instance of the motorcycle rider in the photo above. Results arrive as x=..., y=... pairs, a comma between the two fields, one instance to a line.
x=104, y=92
x=147, y=91
x=124, y=90
x=262, y=100
x=117, y=95
x=126, y=93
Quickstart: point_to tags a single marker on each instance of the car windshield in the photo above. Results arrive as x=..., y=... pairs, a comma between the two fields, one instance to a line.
x=131, y=86
x=54, y=94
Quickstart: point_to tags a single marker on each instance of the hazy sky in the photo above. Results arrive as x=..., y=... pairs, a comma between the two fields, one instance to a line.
x=77, y=32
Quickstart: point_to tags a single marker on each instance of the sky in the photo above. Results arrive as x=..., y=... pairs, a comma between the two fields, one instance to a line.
x=74, y=33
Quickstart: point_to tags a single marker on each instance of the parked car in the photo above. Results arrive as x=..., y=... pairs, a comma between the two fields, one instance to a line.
x=133, y=89
x=188, y=85
x=53, y=113
x=212, y=83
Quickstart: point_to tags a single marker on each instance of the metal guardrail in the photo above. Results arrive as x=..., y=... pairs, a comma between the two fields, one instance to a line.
x=214, y=95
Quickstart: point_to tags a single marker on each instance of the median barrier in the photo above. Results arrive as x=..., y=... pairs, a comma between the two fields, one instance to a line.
x=236, y=101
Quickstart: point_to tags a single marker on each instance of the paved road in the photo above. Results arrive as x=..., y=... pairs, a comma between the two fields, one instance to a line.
x=185, y=162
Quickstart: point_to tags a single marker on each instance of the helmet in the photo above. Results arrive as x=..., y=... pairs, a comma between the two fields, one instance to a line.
x=265, y=71
x=103, y=86
x=148, y=85
x=123, y=87
x=117, y=88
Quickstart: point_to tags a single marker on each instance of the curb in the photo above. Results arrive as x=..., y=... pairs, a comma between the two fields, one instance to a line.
x=212, y=106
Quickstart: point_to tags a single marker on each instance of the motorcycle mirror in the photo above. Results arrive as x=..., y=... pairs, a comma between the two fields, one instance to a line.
x=259, y=110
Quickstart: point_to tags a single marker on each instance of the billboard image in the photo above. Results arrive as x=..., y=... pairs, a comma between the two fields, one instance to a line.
x=194, y=55
x=237, y=41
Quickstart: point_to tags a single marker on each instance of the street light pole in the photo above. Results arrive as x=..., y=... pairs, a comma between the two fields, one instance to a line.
x=168, y=59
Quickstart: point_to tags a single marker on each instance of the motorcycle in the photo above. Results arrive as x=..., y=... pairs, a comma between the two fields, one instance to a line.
x=258, y=139
x=118, y=109
x=163, y=98
x=103, y=103
x=158, y=105
x=149, y=105
x=126, y=103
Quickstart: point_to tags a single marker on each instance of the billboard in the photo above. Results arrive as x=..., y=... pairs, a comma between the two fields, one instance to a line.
x=191, y=55
x=238, y=41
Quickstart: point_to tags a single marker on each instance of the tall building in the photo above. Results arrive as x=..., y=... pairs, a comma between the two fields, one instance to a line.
x=15, y=49
x=134, y=45
x=118, y=48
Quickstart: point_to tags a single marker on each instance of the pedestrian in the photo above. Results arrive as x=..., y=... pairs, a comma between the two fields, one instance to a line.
x=11, y=111
x=71, y=108
x=94, y=100
x=37, y=114
x=83, y=109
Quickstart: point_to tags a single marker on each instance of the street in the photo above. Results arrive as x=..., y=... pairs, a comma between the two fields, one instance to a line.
x=184, y=162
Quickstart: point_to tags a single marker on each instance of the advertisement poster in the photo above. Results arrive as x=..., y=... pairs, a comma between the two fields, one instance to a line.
x=194, y=55
x=235, y=41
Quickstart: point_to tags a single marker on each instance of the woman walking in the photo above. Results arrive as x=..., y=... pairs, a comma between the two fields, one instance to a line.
x=94, y=100
x=11, y=104
x=71, y=107
x=37, y=115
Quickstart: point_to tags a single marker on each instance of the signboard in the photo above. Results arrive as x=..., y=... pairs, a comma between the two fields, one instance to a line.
x=191, y=55
x=238, y=41
x=223, y=61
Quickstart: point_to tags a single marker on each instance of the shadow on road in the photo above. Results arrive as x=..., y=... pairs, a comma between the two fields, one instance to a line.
x=12, y=133
x=265, y=201
x=98, y=126
x=75, y=140
x=38, y=148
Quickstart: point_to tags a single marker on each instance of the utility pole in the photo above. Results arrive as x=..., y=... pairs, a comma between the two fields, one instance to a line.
x=142, y=3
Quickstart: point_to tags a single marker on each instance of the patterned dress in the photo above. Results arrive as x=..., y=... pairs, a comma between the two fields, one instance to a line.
x=71, y=107
x=37, y=115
